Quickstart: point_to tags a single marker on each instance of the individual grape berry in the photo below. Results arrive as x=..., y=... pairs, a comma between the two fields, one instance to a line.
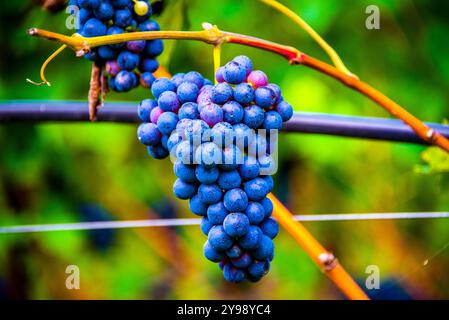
x=173, y=141
x=167, y=122
x=270, y=228
x=236, y=224
x=268, y=207
x=148, y=134
x=128, y=60
x=124, y=81
x=187, y=92
x=208, y=154
x=245, y=62
x=265, y=250
x=242, y=135
x=269, y=181
x=234, y=252
x=185, y=152
x=256, y=189
x=89, y=4
x=243, y=261
x=168, y=101
x=264, y=97
x=236, y=200
x=123, y=17
x=197, y=132
x=184, y=172
x=257, y=79
x=182, y=125
x=233, y=274
x=285, y=110
x=219, y=239
x=249, y=169
x=229, y=180
x=104, y=11
x=189, y=110
x=211, y=114
x=197, y=206
x=149, y=25
x=251, y=239
x=253, y=116
x=219, y=75
x=277, y=92
x=147, y=79
x=258, y=269
x=157, y=152
x=232, y=157
x=232, y=112
x=184, y=190
x=222, y=93
x=222, y=134
x=205, y=226
x=216, y=213
x=234, y=73
x=142, y=10
x=272, y=121
x=205, y=97
x=255, y=213
x=93, y=28
x=244, y=93
x=209, y=193
x=207, y=175
x=162, y=85
x=212, y=254
x=148, y=65
x=106, y=53
x=194, y=77
x=144, y=109
x=112, y=68
x=155, y=114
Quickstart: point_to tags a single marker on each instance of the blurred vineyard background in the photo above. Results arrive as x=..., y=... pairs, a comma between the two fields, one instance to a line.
x=56, y=173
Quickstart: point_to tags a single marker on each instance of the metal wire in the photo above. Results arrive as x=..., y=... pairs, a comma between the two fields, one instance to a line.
x=313, y=123
x=190, y=222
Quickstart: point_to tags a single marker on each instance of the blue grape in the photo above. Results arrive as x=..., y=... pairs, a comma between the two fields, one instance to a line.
x=197, y=206
x=207, y=175
x=233, y=274
x=270, y=228
x=229, y=180
x=245, y=62
x=251, y=239
x=264, y=97
x=256, y=189
x=149, y=134
x=234, y=73
x=216, y=213
x=211, y=253
x=243, y=261
x=168, y=101
x=187, y=92
x=210, y=193
x=162, y=85
x=144, y=109
x=194, y=77
x=219, y=239
x=232, y=112
x=244, y=93
x=184, y=190
x=128, y=60
x=285, y=110
x=272, y=121
x=265, y=250
x=222, y=93
x=205, y=226
x=167, y=122
x=253, y=116
x=157, y=152
x=184, y=172
x=189, y=110
x=236, y=200
x=236, y=224
x=255, y=213
x=234, y=252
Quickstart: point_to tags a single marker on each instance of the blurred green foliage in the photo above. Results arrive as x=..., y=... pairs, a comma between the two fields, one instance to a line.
x=48, y=170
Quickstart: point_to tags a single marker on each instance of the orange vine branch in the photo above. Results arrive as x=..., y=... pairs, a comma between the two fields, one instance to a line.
x=212, y=35
x=323, y=258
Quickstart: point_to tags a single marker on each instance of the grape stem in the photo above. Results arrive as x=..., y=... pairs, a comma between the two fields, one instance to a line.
x=214, y=36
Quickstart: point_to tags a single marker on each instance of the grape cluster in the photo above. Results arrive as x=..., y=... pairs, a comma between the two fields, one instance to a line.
x=222, y=164
x=127, y=64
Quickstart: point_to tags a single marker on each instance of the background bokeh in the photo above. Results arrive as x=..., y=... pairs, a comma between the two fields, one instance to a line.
x=54, y=173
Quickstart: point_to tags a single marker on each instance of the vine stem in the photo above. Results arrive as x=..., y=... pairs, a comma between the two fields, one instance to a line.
x=212, y=35
x=323, y=258
x=315, y=36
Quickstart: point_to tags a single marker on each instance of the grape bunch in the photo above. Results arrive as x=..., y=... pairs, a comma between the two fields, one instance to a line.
x=127, y=64
x=223, y=165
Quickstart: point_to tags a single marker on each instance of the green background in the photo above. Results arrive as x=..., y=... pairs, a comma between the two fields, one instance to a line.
x=49, y=172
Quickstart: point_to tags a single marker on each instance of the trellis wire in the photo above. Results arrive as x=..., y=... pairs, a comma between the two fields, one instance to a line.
x=316, y=123
x=99, y=225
